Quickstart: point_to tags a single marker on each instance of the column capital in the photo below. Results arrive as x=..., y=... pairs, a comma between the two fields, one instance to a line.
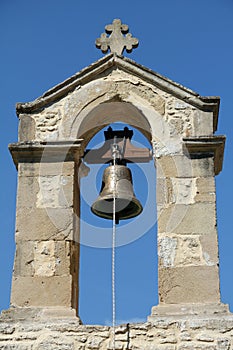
x=40, y=151
x=207, y=144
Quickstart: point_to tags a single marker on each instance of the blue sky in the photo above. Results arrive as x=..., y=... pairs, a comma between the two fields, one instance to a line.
x=44, y=42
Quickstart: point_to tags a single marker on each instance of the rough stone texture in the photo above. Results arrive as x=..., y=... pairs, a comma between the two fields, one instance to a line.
x=41, y=290
x=192, y=284
x=209, y=249
x=184, y=190
x=187, y=250
x=167, y=251
x=177, y=122
x=206, y=191
x=44, y=224
x=56, y=121
x=183, y=166
x=207, y=332
x=46, y=169
x=45, y=191
x=55, y=192
x=198, y=218
x=27, y=127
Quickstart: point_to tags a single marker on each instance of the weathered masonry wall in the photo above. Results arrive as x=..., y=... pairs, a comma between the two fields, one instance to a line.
x=47, y=246
x=180, y=130
x=187, y=333
x=53, y=134
x=187, y=236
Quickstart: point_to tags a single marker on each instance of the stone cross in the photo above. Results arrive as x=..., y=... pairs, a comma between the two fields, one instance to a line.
x=116, y=41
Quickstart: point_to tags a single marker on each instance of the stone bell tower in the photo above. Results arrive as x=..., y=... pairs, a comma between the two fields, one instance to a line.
x=54, y=131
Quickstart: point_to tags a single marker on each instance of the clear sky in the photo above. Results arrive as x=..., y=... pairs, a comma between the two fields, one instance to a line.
x=44, y=42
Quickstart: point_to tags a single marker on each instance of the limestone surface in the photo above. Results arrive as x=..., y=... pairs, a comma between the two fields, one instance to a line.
x=54, y=132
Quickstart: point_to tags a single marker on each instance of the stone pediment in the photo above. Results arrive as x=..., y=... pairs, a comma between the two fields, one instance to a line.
x=116, y=88
x=134, y=72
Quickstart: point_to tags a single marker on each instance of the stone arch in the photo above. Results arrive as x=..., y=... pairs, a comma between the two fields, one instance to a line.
x=100, y=103
x=110, y=112
x=131, y=108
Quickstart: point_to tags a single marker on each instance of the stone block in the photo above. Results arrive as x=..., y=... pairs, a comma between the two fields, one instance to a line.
x=203, y=337
x=28, y=188
x=27, y=128
x=224, y=343
x=209, y=245
x=65, y=168
x=62, y=253
x=48, y=122
x=24, y=259
x=183, y=166
x=189, y=251
x=53, y=313
x=205, y=189
x=94, y=342
x=163, y=191
x=175, y=190
x=55, y=191
x=198, y=218
x=202, y=166
x=117, y=346
x=197, y=310
x=192, y=284
x=54, y=342
x=41, y=224
x=45, y=191
x=183, y=190
x=180, y=250
x=41, y=291
x=6, y=328
x=16, y=346
x=167, y=248
x=44, y=258
x=203, y=123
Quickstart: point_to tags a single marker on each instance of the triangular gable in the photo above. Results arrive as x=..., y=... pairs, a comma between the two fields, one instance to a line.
x=113, y=61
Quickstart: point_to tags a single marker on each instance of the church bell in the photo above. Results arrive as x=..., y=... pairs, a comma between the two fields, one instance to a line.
x=117, y=194
x=117, y=181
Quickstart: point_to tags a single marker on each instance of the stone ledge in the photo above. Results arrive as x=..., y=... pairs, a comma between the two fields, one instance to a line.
x=44, y=151
x=184, y=310
x=30, y=314
x=209, y=144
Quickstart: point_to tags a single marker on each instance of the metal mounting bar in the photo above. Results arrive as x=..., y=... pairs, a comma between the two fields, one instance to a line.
x=131, y=153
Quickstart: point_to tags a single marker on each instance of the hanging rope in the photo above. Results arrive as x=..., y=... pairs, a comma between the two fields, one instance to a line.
x=117, y=153
x=114, y=155
x=113, y=261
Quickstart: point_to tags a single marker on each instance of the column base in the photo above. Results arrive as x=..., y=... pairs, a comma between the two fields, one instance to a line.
x=182, y=310
x=40, y=314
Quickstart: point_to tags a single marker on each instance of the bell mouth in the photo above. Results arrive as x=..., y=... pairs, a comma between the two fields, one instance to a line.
x=126, y=208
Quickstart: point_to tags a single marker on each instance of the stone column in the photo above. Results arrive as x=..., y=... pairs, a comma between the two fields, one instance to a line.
x=47, y=227
x=187, y=227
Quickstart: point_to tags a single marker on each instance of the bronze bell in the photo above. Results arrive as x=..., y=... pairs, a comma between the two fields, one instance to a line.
x=127, y=205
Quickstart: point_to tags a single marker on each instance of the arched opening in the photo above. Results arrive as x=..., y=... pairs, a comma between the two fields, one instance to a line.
x=136, y=252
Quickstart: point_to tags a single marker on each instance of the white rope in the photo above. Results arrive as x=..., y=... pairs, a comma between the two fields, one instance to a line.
x=113, y=258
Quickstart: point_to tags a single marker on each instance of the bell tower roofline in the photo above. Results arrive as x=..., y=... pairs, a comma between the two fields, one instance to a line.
x=113, y=61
